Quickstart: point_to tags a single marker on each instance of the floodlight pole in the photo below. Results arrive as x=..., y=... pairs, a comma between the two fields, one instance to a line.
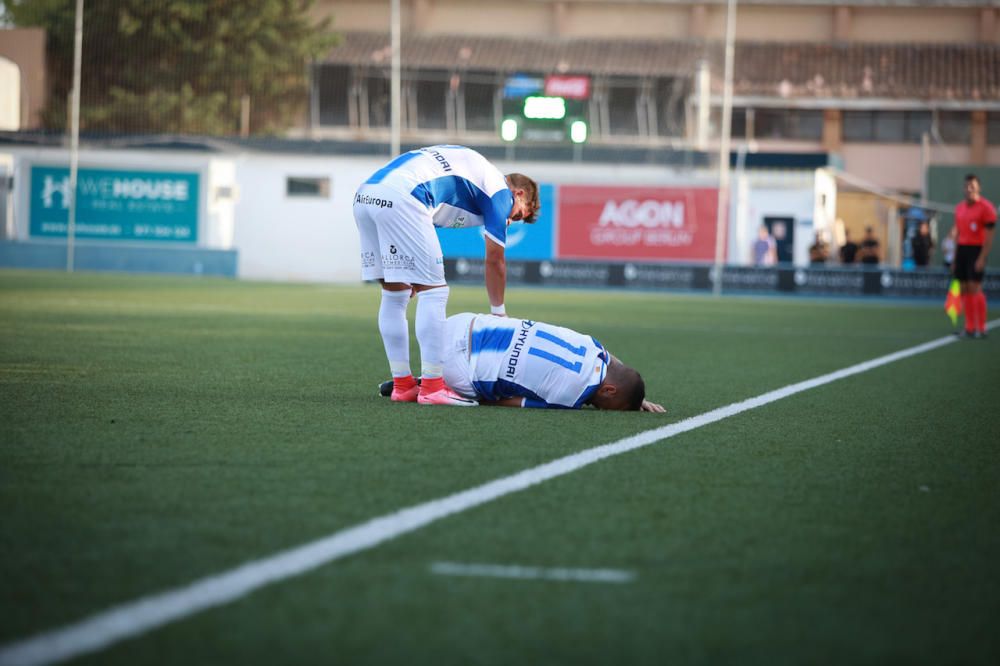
x=722, y=213
x=74, y=135
x=395, y=89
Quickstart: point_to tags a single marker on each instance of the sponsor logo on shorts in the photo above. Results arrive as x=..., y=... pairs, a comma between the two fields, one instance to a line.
x=369, y=200
x=397, y=261
x=368, y=260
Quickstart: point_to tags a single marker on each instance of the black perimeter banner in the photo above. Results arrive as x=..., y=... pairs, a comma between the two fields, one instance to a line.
x=856, y=281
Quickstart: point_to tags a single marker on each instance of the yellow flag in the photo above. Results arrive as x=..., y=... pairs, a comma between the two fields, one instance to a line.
x=953, y=302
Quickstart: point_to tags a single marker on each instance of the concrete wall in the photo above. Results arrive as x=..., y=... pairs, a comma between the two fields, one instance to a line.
x=245, y=206
x=293, y=238
x=898, y=165
x=25, y=47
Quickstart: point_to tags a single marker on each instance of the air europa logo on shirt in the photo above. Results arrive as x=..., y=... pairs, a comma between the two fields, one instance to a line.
x=372, y=201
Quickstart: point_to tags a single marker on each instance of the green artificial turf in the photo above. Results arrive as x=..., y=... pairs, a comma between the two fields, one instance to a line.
x=157, y=430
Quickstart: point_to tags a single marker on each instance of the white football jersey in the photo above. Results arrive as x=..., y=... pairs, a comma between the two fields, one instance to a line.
x=549, y=366
x=460, y=186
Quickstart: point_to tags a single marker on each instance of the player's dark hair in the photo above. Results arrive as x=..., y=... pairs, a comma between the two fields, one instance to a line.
x=530, y=187
x=969, y=177
x=634, y=391
x=631, y=388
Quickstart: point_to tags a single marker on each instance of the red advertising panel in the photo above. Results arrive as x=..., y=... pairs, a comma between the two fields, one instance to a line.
x=570, y=87
x=667, y=223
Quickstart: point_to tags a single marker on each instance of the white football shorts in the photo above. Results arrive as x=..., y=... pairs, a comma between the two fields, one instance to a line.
x=398, y=240
x=457, y=371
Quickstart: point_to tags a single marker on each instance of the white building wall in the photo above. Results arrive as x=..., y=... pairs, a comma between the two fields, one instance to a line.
x=761, y=194
x=898, y=166
x=297, y=238
x=10, y=96
x=245, y=205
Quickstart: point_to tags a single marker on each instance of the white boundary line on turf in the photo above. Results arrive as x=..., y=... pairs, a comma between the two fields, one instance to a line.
x=521, y=572
x=135, y=618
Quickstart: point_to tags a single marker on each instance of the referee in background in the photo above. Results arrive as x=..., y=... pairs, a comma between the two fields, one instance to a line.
x=975, y=219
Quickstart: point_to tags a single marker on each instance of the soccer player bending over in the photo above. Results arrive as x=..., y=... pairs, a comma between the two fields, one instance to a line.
x=396, y=211
x=523, y=363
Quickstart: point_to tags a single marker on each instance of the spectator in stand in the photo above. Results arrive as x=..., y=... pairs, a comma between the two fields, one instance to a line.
x=869, y=252
x=849, y=250
x=818, y=252
x=948, y=246
x=765, y=249
x=921, y=246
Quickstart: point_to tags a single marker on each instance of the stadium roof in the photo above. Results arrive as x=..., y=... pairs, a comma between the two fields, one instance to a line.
x=788, y=70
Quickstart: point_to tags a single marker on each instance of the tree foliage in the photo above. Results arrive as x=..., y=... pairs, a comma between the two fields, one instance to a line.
x=179, y=66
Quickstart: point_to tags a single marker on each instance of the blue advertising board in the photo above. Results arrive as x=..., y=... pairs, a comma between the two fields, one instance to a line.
x=531, y=242
x=116, y=205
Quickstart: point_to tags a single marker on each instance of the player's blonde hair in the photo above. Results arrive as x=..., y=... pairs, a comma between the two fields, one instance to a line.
x=530, y=187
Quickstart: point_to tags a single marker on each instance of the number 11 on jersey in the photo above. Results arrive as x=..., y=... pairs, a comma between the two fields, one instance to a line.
x=575, y=366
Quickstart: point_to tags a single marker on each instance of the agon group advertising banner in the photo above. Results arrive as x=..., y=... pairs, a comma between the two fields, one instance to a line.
x=116, y=204
x=650, y=223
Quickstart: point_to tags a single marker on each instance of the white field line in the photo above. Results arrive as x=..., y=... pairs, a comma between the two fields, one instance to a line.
x=137, y=617
x=532, y=573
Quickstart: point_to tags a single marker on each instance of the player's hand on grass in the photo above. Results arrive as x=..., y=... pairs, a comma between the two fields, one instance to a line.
x=648, y=406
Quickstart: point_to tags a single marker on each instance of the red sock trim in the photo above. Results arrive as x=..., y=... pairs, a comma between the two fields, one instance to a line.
x=431, y=384
x=404, y=383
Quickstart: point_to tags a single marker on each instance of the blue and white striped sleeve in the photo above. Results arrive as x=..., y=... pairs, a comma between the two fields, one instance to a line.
x=495, y=216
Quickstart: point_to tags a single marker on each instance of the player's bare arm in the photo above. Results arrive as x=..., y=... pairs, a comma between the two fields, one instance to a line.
x=496, y=275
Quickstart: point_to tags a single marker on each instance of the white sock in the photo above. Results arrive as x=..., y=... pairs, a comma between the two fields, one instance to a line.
x=395, y=331
x=430, y=325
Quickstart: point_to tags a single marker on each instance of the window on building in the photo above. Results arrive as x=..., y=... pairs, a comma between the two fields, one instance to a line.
x=738, y=127
x=889, y=126
x=886, y=126
x=669, y=96
x=858, y=126
x=623, y=107
x=333, y=86
x=917, y=123
x=307, y=186
x=431, y=90
x=954, y=126
x=993, y=129
x=807, y=124
x=379, y=103
x=770, y=123
x=479, y=95
x=789, y=124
